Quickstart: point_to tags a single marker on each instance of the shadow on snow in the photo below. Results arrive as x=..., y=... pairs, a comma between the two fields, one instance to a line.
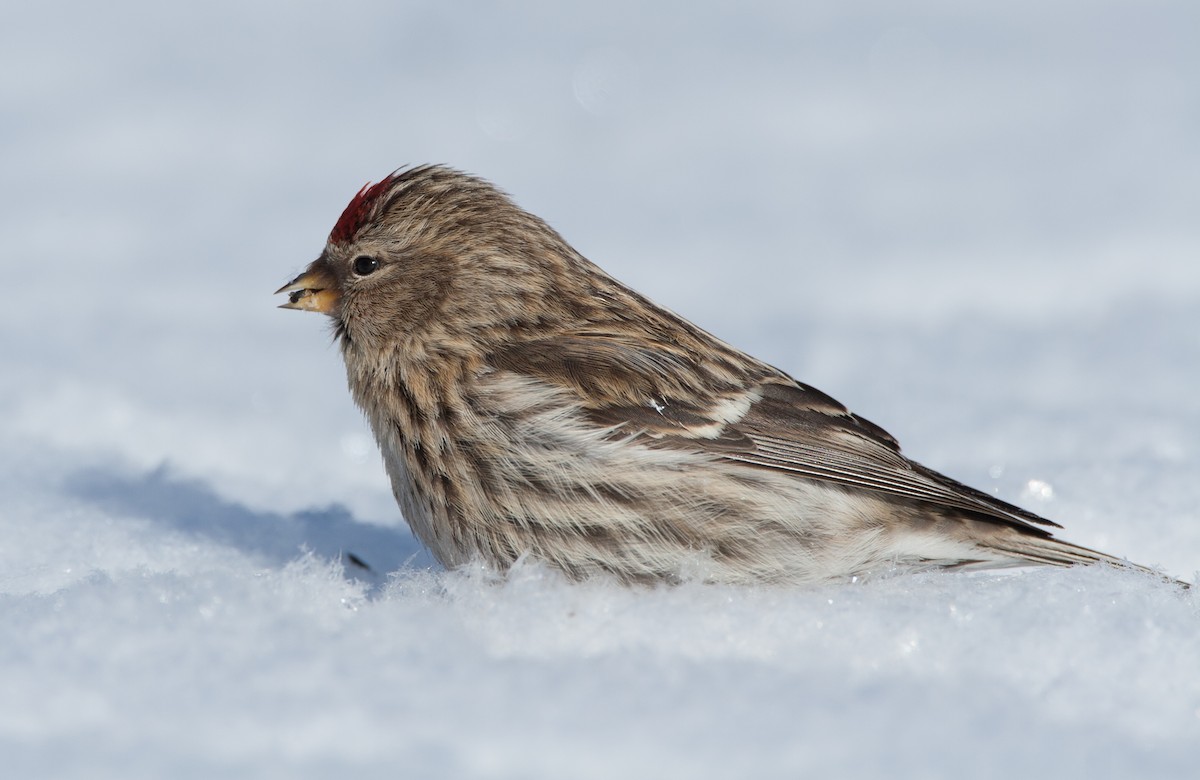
x=369, y=552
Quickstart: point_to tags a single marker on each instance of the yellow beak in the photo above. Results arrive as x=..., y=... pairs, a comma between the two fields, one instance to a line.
x=312, y=290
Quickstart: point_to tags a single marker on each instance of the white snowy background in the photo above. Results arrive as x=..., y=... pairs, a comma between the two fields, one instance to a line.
x=976, y=224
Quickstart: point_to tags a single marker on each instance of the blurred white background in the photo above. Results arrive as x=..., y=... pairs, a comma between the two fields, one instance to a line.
x=976, y=224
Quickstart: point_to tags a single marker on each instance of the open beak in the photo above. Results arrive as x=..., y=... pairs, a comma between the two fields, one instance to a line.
x=312, y=290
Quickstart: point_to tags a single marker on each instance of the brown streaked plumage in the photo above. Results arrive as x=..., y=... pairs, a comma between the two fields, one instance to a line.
x=528, y=404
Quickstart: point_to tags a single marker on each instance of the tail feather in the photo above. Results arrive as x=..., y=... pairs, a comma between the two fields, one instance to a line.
x=1046, y=550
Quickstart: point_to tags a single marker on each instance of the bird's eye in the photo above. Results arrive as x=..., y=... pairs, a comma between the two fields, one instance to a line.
x=365, y=264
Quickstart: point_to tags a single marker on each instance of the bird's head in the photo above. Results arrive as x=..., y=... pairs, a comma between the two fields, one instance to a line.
x=432, y=248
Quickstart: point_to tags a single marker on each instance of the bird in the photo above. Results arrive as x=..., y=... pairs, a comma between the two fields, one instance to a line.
x=528, y=406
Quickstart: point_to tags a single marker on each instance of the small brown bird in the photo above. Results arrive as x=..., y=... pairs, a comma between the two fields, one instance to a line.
x=528, y=404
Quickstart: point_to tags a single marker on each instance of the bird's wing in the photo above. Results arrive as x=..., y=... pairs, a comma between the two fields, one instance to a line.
x=844, y=448
x=762, y=418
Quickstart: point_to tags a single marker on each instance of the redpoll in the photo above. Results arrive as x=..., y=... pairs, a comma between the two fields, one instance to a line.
x=528, y=404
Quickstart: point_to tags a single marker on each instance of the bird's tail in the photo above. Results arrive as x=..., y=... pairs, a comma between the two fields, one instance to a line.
x=1020, y=547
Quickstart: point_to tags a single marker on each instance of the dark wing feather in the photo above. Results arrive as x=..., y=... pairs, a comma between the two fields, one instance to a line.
x=849, y=450
x=604, y=368
x=674, y=397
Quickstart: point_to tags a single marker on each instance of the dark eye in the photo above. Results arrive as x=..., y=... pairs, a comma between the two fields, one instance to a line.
x=365, y=264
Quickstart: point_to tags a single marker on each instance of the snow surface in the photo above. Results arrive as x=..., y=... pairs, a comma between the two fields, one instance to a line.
x=977, y=226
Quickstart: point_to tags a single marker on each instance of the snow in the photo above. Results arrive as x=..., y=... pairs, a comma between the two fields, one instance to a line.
x=974, y=225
